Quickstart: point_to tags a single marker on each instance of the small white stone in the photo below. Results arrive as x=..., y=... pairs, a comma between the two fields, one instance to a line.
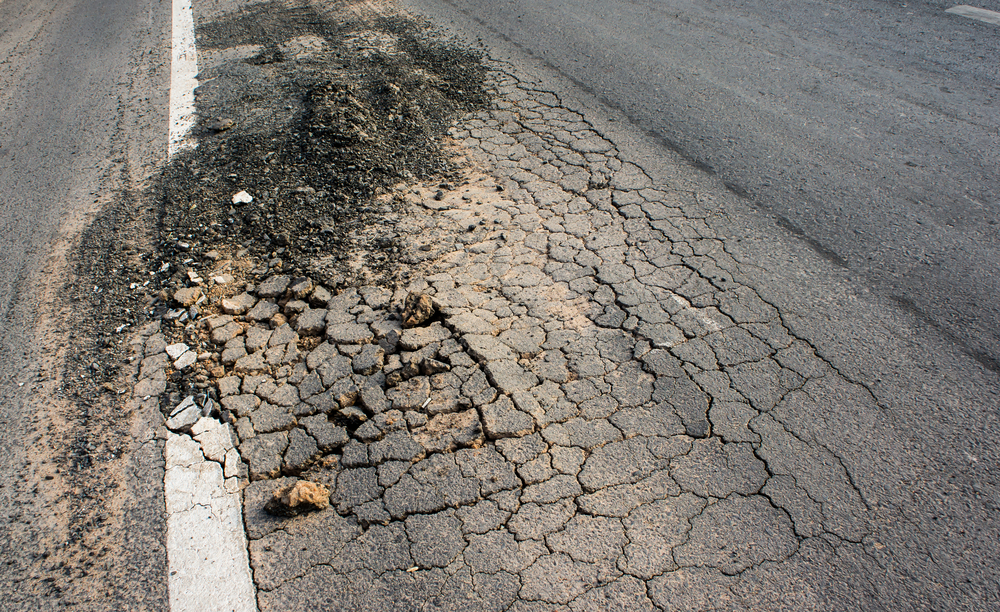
x=188, y=358
x=242, y=198
x=176, y=350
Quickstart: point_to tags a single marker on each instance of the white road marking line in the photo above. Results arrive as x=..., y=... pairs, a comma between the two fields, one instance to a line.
x=206, y=543
x=987, y=16
x=183, y=78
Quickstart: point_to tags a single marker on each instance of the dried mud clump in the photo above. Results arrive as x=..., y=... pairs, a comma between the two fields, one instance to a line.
x=298, y=498
x=417, y=310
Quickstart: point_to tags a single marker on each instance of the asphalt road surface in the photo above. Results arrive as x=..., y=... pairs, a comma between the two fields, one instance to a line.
x=868, y=129
x=82, y=118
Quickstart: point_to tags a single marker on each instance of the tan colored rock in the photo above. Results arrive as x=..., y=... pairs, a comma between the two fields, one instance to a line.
x=188, y=296
x=417, y=309
x=303, y=496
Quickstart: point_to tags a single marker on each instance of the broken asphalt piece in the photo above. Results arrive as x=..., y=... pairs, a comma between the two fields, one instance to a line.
x=187, y=359
x=184, y=405
x=242, y=197
x=417, y=309
x=184, y=415
x=176, y=350
x=181, y=355
x=303, y=496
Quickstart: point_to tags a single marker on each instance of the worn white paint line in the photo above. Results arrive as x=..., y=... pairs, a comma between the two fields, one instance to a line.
x=206, y=542
x=980, y=14
x=183, y=78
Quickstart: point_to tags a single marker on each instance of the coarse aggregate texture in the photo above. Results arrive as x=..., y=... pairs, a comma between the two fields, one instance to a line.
x=586, y=408
x=607, y=327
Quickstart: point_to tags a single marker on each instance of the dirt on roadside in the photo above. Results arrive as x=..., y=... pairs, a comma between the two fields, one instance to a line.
x=321, y=116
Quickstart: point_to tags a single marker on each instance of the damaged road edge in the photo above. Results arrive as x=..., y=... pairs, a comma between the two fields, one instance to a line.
x=206, y=542
x=209, y=567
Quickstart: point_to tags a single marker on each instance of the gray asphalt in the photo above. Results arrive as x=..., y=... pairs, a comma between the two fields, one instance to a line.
x=868, y=129
x=927, y=459
x=81, y=116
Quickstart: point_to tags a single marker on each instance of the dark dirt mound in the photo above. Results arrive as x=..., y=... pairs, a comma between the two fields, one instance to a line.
x=318, y=135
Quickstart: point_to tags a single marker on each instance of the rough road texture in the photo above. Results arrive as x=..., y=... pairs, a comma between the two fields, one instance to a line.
x=598, y=415
x=622, y=413
x=571, y=402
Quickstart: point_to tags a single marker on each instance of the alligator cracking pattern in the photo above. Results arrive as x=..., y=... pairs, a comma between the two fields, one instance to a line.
x=600, y=416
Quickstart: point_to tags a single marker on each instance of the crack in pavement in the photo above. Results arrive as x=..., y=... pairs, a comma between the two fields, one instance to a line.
x=590, y=372
x=562, y=525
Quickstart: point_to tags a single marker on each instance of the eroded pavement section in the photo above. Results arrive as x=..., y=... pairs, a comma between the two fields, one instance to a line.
x=597, y=414
x=565, y=400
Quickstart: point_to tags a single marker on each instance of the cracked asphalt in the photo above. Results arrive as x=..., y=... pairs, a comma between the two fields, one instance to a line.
x=540, y=362
x=636, y=411
x=603, y=412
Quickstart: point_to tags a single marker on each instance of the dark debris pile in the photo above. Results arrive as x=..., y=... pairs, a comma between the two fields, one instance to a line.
x=315, y=140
